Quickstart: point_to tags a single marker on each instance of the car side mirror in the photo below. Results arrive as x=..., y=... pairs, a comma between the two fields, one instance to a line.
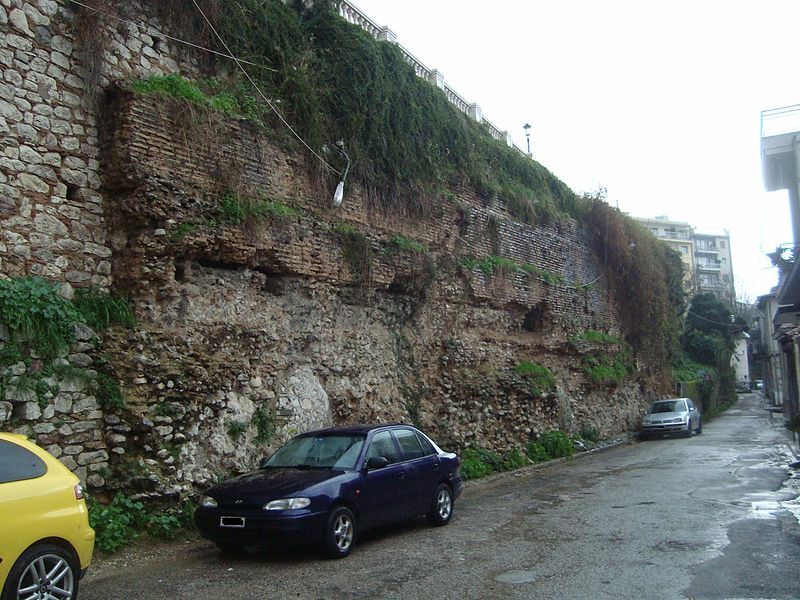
x=376, y=462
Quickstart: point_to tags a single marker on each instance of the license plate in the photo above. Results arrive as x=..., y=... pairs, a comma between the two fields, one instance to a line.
x=236, y=522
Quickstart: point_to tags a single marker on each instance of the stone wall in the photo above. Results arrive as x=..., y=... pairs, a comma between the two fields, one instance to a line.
x=251, y=332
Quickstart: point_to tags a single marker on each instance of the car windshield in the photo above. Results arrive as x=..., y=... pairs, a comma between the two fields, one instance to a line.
x=670, y=406
x=318, y=452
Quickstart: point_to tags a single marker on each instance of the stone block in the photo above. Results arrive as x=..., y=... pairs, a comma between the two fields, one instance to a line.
x=92, y=457
x=84, y=404
x=19, y=21
x=6, y=410
x=27, y=411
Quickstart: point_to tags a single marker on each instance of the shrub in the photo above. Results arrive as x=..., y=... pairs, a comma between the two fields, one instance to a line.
x=123, y=520
x=556, y=444
x=473, y=466
x=107, y=391
x=514, y=459
x=116, y=524
x=536, y=452
x=264, y=421
x=36, y=316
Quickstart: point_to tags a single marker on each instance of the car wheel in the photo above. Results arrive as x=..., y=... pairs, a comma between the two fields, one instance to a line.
x=442, y=509
x=699, y=429
x=340, y=532
x=45, y=571
x=688, y=432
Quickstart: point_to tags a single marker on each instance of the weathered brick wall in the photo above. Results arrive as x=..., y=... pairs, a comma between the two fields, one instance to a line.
x=271, y=317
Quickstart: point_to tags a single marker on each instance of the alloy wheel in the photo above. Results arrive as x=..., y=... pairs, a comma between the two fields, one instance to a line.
x=47, y=577
x=343, y=532
x=444, y=504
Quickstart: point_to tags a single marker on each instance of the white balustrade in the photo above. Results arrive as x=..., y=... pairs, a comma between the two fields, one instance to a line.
x=354, y=15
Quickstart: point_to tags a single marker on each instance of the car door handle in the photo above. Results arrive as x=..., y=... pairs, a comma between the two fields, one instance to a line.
x=436, y=467
x=401, y=475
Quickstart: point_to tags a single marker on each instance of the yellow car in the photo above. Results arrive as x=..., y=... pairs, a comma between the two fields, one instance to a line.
x=46, y=543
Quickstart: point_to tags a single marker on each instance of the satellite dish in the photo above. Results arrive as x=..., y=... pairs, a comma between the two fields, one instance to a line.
x=338, y=195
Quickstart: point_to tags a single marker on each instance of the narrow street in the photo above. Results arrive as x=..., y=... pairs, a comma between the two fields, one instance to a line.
x=714, y=516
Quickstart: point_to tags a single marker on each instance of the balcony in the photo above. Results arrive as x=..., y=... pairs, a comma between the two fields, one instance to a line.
x=713, y=267
x=699, y=250
x=672, y=235
x=779, y=129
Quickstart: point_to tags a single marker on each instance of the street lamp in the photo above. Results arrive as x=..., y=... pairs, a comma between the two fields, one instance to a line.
x=527, y=128
x=338, y=195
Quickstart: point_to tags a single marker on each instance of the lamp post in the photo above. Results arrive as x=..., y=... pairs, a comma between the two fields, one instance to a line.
x=527, y=128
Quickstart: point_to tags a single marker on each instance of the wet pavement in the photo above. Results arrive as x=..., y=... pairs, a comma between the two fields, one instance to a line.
x=713, y=516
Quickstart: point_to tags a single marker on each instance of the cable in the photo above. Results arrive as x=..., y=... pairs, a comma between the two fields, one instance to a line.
x=258, y=89
x=150, y=28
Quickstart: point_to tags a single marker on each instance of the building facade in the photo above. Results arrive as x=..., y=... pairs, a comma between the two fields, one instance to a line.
x=706, y=257
x=780, y=161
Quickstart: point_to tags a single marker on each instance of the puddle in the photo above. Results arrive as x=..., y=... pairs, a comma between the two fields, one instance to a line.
x=516, y=576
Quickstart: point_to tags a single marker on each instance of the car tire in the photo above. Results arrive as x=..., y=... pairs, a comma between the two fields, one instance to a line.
x=340, y=532
x=688, y=432
x=24, y=574
x=442, y=507
x=699, y=429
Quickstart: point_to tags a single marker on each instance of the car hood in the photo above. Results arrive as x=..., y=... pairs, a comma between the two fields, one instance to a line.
x=666, y=416
x=261, y=486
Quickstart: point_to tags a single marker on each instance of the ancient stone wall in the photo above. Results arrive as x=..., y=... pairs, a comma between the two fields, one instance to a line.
x=252, y=331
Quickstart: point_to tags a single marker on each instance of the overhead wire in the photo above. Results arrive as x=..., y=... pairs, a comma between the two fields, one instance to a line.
x=258, y=89
x=150, y=29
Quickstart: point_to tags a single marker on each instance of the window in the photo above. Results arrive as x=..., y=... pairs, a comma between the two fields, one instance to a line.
x=722, y=243
x=409, y=444
x=427, y=447
x=18, y=463
x=684, y=249
x=383, y=445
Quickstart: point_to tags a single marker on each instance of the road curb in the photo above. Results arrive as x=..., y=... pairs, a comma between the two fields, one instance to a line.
x=628, y=438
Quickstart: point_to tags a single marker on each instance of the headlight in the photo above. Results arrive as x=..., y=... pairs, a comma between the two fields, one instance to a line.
x=287, y=504
x=207, y=502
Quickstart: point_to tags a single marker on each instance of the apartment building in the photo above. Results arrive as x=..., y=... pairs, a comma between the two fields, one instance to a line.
x=706, y=257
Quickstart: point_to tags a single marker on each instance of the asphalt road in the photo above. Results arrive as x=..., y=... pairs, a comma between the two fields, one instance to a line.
x=714, y=516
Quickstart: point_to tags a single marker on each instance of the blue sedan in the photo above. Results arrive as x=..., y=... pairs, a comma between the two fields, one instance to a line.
x=327, y=486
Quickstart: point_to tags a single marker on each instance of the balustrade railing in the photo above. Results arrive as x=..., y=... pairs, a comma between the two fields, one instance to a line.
x=352, y=14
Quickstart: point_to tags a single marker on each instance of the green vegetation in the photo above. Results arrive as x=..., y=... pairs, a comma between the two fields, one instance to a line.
x=264, y=421
x=538, y=379
x=123, y=520
x=333, y=81
x=480, y=462
x=107, y=391
x=557, y=444
x=237, y=101
x=707, y=347
x=181, y=231
x=606, y=365
x=100, y=309
x=645, y=277
x=235, y=210
x=400, y=242
x=236, y=429
x=37, y=318
x=590, y=434
x=493, y=265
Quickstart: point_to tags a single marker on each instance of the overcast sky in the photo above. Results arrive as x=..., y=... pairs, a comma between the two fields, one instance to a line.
x=657, y=101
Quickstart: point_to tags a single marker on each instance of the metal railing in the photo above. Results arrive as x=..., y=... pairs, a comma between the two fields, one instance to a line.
x=352, y=14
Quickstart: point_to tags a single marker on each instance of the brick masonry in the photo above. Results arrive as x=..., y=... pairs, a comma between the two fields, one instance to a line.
x=269, y=326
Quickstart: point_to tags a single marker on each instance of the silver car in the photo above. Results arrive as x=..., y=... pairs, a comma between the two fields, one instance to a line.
x=672, y=416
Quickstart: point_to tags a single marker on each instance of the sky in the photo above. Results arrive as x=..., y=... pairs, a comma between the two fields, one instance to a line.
x=658, y=102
